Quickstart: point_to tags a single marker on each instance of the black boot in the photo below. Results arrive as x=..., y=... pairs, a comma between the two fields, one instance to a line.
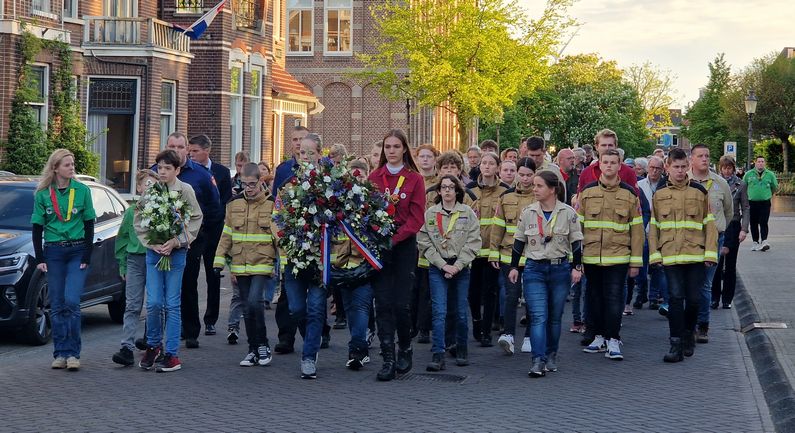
x=387, y=371
x=437, y=362
x=675, y=353
x=461, y=358
x=689, y=344
x=404, y=356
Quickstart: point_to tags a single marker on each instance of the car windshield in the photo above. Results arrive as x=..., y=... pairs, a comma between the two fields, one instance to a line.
x=16, y=206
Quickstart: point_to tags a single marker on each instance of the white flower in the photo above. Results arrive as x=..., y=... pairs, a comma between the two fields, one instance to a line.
x=301, y=221
x=173, y=194
x=326, y=179
x=312, y=209
x=329, y=192
x=306, y=185
x=178, y=204
x=306, y=246
x=293, y=238
x=356, y=189
x=328, y=213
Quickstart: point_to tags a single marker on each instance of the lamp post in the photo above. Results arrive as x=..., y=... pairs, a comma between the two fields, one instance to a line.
x=547, y=135
x=576, y=143
x=750, y=109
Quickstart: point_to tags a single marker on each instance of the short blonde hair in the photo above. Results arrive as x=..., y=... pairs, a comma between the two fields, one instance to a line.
x=605, y=133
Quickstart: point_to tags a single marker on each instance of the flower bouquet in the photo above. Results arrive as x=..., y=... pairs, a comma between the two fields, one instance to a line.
x=163, y=214
x=322, y=201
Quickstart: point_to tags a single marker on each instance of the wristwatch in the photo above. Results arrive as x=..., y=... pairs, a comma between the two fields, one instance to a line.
x=578, y=268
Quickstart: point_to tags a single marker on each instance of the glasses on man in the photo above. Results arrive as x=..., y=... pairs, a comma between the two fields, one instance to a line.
x=651, y=167
x=249, y=184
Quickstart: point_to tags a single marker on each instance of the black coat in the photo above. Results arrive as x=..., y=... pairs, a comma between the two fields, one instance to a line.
x=223, y=180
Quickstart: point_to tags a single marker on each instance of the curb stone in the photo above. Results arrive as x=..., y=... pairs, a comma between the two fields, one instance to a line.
x=777, y=389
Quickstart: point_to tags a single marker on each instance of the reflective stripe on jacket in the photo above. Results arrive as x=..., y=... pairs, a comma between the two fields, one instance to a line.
x=484, y=207
x=247, y=239
x=509, y=208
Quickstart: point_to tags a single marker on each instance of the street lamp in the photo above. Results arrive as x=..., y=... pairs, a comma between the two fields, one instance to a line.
x=576, y=143
x=750, y=109
x=547, y=134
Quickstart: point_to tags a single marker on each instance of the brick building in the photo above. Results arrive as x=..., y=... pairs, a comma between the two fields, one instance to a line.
x=138, y=80
x=323, y=38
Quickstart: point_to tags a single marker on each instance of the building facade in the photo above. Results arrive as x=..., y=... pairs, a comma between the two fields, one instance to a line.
x=138, y=80
x=323, y=38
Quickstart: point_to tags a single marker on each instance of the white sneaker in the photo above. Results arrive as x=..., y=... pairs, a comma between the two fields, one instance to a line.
x=506, y=342
x=614, y=350
x=598, y=345
x=756, y=247
x=526, y=347
x=765, y=246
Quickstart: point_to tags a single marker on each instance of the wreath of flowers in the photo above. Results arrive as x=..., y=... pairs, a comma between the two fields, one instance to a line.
x=325, y=193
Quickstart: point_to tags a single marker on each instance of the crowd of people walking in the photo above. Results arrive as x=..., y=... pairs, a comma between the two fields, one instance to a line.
x=484, y=240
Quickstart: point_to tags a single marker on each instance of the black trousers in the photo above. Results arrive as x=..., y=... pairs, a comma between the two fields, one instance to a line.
x=421, y=301
x=392, y=287
x=191, y=326
x=725, y=280
x=684, y=292
x=512, y=293
x=213, y=283
x=483, y=289
x=760, y=214
x=605, y=297
x=284, y=321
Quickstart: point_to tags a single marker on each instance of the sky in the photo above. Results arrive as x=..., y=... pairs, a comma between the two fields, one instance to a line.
x=682, y=36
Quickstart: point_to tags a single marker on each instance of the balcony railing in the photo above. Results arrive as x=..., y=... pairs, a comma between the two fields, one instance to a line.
x=133, y=32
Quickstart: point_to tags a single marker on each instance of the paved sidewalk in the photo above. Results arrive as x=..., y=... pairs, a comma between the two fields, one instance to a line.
x=767, y=278
x=715, y=391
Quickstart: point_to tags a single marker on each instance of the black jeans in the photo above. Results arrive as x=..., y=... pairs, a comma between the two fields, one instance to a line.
x=213, y=233
x=684, y=292
x=251, y=290
x=392, y=287
x=483, y=288
x=605, y=298
x=512, y=293
x=725, y=280
x=421, y=301
x=191, y=326
x=760, y=214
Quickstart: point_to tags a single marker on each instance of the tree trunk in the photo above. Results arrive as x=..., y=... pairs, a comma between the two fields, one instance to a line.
x=785, y=152
x=463, y=137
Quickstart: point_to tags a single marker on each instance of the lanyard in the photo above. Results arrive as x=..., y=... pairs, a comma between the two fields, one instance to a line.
x=541, y=227
x=450, y=224
x=57, y=209
x=395, y=194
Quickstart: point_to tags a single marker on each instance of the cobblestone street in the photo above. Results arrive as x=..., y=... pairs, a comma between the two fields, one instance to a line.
x=716, y=390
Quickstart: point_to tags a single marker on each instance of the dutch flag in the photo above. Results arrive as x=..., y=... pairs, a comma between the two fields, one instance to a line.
x=196, y=29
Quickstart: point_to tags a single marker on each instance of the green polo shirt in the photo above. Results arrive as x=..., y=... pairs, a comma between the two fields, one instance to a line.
x=56, y=230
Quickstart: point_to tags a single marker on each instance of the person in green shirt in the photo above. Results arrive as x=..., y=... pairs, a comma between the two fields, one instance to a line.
x=762, y=184
x=63, y=216
x=131, y=255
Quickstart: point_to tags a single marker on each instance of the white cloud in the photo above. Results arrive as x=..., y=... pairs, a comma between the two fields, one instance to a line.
x=680, y=35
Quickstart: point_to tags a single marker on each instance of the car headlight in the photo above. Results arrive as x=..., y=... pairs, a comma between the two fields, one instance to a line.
x=13, y=262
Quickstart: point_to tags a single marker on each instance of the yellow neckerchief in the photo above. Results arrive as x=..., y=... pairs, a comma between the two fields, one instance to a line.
x=450, y=224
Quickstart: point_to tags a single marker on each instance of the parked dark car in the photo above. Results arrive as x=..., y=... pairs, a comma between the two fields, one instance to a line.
x=24, y=298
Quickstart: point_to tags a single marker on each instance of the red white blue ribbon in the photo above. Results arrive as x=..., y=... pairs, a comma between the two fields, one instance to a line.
x=325, y=254
x=360, y=245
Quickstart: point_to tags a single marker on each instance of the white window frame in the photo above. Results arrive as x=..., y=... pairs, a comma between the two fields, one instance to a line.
x=326, y=10
x=75, y=10
x=172, y=112
x=236, y=110
x=301, y=10
x=255, y=116
x=44, y=105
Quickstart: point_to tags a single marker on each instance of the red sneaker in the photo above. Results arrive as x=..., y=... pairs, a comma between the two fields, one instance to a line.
x=149, y=358
x=170, y=363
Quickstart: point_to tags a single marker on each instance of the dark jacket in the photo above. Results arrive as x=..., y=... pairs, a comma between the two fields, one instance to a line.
x=742, y=215
x=223, y=179
x=203, y=184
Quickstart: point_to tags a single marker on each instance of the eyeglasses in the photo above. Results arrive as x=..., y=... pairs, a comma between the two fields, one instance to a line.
x=249, y=184
x=447, y=188
x=654, y=168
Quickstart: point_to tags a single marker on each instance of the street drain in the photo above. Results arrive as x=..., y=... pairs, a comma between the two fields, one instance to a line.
x=764, y=325
x=427, y=377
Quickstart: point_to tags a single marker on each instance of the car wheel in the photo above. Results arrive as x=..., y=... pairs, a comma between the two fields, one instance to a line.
x=116, y=309
x=38, y=330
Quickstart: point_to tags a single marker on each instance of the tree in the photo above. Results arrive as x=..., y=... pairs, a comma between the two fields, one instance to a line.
x=775, y=115
x=471, y=57
x=705, y=118
x=583, y=95
x=655, y=88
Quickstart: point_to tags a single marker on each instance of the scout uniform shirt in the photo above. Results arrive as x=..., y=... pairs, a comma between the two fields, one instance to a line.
x=63, y=212
x=612, y=224
x=548, y=239
x=247, y=238
x=682, y=228
x=127, y=241
x=484, y=207
x=430, y=200
x=509, y=207
x=450, y=236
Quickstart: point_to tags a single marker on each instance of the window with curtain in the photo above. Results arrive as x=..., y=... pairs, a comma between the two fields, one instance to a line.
x=168, y=111
x=338, y=26
x=39, y=80
x=236, y=110
x=299, y=26
x=255, y=112
x=70, y=8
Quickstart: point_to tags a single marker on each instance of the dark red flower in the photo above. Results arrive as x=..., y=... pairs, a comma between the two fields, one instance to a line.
x=306, y=227
x=340, y=215
x=312, y=173
x=390, y=209
x=375, y=227
x=280, y=233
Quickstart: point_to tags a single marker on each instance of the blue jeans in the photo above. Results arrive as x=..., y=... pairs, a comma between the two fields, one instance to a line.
x=65, y=280
x=308, y=308
x=578, y=307
x=164, y=293
x=357, y=302
x=459, y=286
x=706, y=291
x=545, y=289
x=658, y=284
